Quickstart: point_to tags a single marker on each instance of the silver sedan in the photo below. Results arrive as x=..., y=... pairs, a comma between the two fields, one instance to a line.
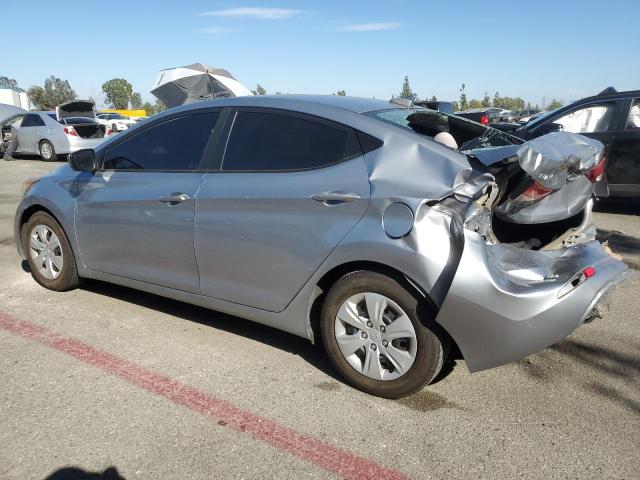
x=341, y=220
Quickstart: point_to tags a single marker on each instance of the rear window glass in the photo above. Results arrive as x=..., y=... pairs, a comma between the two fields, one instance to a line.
x=261, y=141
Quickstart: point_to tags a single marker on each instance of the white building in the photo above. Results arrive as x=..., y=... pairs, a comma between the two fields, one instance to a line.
x=14, y=96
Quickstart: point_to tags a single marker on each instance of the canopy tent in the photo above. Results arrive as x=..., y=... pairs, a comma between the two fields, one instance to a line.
x=177, y=86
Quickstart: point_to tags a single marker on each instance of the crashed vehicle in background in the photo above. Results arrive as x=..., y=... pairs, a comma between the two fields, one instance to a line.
x=70, y=128
x=341, y=219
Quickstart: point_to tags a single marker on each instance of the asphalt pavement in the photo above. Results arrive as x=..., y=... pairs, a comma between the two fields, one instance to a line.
x=105, y=378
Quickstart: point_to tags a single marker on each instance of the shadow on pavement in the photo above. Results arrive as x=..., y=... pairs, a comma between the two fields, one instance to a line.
x=544, y=366
x=75, y=473
x=313, y=354
x=627, y=206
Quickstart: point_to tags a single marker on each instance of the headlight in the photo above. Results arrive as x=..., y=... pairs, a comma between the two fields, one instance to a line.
x=27, y=184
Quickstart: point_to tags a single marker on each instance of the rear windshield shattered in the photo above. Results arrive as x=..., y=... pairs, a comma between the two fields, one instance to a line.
x=428, y=123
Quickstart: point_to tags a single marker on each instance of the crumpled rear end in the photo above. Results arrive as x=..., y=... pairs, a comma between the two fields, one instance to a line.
x=507, y=302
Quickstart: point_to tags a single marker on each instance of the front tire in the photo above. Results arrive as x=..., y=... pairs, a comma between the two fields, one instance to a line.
x=49, y=253
x=374, y=336
x=47, y=152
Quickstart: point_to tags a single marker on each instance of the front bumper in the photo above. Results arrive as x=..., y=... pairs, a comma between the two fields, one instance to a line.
x=506, y=303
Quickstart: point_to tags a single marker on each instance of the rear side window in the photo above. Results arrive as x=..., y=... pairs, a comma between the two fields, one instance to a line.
x=32, y=120
x=176, y=144
x=633, y=120
x=261, y=141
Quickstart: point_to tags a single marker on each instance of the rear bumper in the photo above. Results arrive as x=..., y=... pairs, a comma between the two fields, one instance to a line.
x=506, y=303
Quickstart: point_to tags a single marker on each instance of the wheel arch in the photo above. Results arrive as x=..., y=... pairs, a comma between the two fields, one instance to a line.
x=428, y=309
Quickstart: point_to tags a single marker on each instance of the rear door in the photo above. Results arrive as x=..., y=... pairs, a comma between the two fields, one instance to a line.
x=29, y=133
x=134, y=218
x=289, y=188
x=623, y=169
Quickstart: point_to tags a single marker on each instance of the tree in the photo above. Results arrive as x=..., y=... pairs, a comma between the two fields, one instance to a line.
x=341, y=93
x=434, y=98
x=118, y=92
x=509, y=103
x=55, y=92
x=463, y=98
x=148, y=108
x=406, y=90
x=159, y=106
x=135, y=101
x=260, y=90
x=6, y=82
x=473, y=103
x=554, y=104
x=486, y=100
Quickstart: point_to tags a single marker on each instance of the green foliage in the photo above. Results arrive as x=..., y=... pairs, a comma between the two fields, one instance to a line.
x=486, y=100
x=473, y=103
x=148, y=108
x=406, y=90
x=510, y=103
x=341, y=93
x=554, y=104
x=455, y=106
x=463, y=98
x=434, y=98
x=159, y=106
x=260, y=90
x=6, y=82
x=136, y=101
x=118, y=92
x=55, y=92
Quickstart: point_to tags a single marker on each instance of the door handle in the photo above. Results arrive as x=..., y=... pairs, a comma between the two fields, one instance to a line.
x=175, y=198
x=335, y=198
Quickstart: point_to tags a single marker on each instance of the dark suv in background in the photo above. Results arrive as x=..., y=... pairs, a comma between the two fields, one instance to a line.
x=611, y=117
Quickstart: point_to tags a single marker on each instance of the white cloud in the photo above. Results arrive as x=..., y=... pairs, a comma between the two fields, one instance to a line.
x=261, y=13
x=216, y=30
x=370, y=27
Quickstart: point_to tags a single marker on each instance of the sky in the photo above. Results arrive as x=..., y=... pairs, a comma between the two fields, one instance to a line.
x=532, y=49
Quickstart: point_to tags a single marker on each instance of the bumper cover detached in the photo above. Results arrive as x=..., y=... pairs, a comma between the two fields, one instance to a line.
x=506, y=303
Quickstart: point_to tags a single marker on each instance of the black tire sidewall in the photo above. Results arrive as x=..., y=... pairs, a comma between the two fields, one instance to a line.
x=430, y=349
x=68, y=278
x=53, y=150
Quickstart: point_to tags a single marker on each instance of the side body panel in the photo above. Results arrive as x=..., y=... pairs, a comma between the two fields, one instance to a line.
x=124, y=229
x=260, y=236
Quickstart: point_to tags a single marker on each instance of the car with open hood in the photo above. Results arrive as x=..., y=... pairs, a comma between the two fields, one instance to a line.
x=342, y=220
x=70, y=128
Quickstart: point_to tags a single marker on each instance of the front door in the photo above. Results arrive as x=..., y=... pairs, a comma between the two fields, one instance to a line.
x=623, y=164
x=290, y=188
x=135, y=217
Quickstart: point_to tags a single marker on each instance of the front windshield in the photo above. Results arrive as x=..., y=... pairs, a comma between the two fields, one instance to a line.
x=468, y=135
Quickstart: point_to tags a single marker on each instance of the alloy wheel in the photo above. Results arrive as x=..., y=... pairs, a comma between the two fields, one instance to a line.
x=46, y=252
x=375, y=336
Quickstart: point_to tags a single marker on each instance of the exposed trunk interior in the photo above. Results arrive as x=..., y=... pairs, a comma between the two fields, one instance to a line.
x=534, y=236
x=90, y=130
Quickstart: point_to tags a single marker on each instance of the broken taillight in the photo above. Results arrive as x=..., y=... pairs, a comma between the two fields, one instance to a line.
x=534, y=193
x=596, y=172
x=70, y=131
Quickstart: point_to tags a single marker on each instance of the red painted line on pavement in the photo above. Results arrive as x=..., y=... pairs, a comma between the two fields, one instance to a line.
x=312, y=450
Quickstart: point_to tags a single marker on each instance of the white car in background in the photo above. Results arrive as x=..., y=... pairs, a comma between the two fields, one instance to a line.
x=115, y=121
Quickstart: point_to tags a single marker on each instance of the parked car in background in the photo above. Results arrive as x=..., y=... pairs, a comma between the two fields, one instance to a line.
x=523, y=116
x=437, y=105
x=115, y=121
x=337, y=219
x=70, y=128
x=610, y=117
x=10, y=115
x=485, y=116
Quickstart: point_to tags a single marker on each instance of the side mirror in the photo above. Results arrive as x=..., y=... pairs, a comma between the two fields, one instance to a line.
x=551, y=127
x=83, y=160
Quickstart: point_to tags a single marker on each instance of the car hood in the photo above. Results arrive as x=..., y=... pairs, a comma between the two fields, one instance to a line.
x=76, y=108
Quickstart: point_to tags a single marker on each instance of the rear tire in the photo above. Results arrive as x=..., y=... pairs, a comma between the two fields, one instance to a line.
x=405, y=356
x=47, y=152
x=49, y=253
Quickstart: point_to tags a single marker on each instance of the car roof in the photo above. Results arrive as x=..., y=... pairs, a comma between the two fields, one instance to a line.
x=353, y=104
x=608, y=94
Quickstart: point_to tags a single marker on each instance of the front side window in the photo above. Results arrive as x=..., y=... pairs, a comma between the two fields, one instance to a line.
x=176, y=144
x=261, y=141
x=633, y=120
x=589, y=119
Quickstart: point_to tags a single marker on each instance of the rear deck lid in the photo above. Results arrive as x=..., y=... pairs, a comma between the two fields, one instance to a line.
x=76, y=108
